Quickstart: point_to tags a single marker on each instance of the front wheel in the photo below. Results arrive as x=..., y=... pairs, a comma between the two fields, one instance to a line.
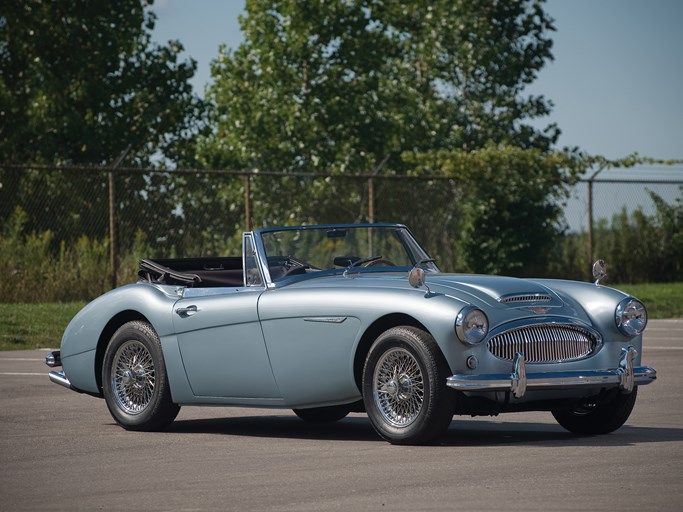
x=134, y=380
x=404, y=387
x=598, y=417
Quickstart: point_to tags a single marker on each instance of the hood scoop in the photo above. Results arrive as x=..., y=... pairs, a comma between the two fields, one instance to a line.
x=537, y=303
x=522, y=298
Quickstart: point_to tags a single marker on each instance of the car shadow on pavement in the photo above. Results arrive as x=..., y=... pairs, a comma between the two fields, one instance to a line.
x=488, y=433
x=460, y=433
x=351, y=428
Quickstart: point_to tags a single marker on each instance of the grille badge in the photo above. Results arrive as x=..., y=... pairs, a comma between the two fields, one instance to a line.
x=539, y=310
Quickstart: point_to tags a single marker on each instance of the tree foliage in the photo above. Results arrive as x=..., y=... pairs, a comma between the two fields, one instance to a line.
x=387, y=86
x=82, y=83
x=342, y=86
x=637, y=247
x=644, y=248
x=505, y=211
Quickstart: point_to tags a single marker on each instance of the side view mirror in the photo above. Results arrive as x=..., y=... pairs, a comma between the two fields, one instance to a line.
x=417, y=277
x=599, y=271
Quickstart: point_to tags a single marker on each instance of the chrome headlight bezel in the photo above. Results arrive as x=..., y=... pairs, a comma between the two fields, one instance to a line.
x=630, y=317
x=471, y=325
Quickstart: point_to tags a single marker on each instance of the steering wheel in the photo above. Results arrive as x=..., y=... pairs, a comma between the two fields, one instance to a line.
x=295, y=266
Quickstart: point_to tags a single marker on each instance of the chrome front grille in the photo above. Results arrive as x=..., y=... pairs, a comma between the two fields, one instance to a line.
x=544, y=343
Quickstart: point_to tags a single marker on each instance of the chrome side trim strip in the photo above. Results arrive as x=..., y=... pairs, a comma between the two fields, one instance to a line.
x=325, y=319
x=625, y=377
x=60, y=378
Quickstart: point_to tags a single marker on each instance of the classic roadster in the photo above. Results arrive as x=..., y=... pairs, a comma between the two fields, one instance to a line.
x=333, y=319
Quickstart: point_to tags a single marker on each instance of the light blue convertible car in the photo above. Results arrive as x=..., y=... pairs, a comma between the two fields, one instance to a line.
x=328, y=320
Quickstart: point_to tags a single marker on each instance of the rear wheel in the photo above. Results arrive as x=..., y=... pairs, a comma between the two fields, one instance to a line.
x=404, y=387
x=134, y=379
x=598, y=416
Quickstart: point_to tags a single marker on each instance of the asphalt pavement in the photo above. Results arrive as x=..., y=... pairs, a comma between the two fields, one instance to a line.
x=61, y=451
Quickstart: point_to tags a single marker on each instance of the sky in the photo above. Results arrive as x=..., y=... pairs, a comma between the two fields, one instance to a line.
x=616, y=81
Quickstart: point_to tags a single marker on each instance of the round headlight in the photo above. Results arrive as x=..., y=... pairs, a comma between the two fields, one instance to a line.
x=471, y=325
x=631, y=316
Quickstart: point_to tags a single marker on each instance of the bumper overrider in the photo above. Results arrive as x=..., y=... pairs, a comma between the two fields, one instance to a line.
x=625, y=376
x=54, y=360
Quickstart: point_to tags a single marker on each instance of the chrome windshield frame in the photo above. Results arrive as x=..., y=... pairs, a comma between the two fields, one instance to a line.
x=414, y=251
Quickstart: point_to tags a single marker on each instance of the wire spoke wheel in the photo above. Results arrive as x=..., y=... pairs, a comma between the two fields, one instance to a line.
x=134, y=377
x=134, y=381
x=404, y=387
x=398, y=387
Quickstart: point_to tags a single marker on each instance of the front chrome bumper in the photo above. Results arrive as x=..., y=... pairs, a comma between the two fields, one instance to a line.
x=54, y=360
x=60, y=378
x=625, y=376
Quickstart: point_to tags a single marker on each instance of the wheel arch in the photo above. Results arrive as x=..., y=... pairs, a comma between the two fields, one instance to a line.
x=370, y=335
x=112, y=326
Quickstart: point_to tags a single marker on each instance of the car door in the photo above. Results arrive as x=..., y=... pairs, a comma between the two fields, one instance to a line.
x=310, y=337
x=222, y=345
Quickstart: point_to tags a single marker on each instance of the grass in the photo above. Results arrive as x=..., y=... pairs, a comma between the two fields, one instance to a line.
x=29, y=326
x=662, y=300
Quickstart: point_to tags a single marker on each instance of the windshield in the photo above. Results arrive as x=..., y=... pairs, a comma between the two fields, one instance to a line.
x=305, y=250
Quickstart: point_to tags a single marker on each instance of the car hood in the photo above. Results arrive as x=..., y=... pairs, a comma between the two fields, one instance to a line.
x=482, y=290
x=494, y=291
x=511, y=297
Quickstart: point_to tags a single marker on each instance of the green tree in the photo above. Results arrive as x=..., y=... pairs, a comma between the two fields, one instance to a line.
x=80, y=83
x=341, y=85
x=352, y=86
x=504, y=212
x=638, y=248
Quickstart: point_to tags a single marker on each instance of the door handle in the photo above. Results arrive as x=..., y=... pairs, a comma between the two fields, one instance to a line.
x=188, y=311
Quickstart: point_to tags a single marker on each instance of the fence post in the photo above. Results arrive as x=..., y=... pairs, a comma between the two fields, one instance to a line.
x=247, y=202
x=371, y=189
x=112, y=231
x=590, y=221
x=371, y=200
x=113, y=255
x=590, y=211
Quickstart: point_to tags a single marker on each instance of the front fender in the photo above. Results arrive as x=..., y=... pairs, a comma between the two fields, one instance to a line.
x=599, y=303
x=80, y=340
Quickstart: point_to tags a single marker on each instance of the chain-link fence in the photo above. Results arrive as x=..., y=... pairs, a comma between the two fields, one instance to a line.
x=608, y=193
x=110, y=217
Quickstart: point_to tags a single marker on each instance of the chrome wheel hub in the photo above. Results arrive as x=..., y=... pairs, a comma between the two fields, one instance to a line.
x=391, y=388
x=398, y=387
x=133, y=377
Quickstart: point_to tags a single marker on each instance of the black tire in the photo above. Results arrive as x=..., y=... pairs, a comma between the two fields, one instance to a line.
x=134, y=380
x=599, y=417
x=404, y=387
x=323, y=414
